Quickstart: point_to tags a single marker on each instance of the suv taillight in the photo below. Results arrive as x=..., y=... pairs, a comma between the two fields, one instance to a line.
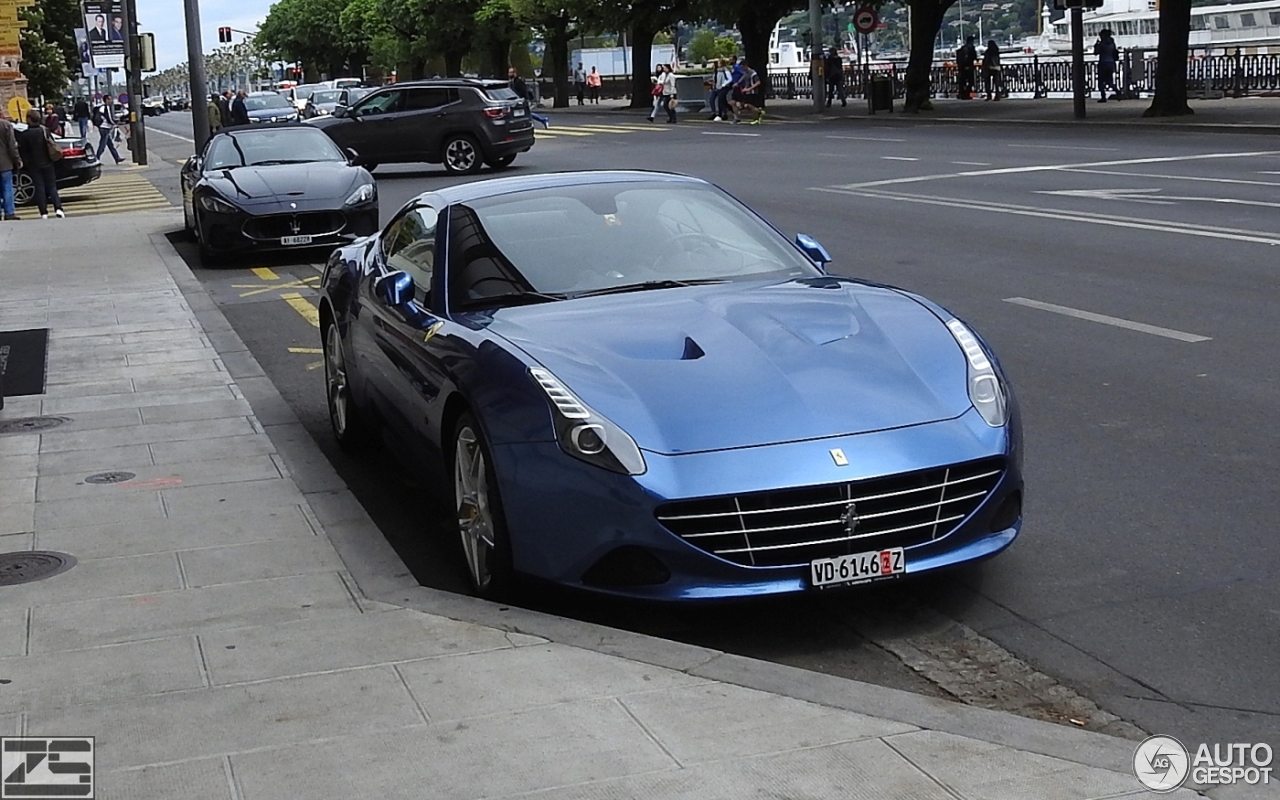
x=497, y=113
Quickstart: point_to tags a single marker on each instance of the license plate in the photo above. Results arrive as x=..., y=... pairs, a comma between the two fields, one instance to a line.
x=856, y=568
x=519, y=112
x=294, y=240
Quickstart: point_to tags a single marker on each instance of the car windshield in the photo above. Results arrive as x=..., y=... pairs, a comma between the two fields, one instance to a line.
x=326, y=96
x=602, y=238
x=262, y=101
x=303, y=92
x=264, y=147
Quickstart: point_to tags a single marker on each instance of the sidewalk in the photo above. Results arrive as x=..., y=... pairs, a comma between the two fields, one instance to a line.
x=236, y=628
x=1242, y=115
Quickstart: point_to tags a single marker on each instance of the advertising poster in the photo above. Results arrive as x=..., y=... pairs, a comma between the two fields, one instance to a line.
x=82, y=47
x=104, y=24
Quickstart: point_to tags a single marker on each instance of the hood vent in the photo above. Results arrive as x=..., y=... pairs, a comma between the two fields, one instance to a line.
x=692, y=351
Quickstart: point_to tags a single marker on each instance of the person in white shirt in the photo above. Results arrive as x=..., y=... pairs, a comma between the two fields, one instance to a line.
x=723, y=84
x=668, y=83
x=580, y=83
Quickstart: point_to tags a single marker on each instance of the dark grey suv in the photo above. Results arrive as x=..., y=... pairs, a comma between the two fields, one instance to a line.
x=461, y=123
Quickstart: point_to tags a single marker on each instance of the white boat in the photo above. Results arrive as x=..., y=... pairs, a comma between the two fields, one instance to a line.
x=1254, y=28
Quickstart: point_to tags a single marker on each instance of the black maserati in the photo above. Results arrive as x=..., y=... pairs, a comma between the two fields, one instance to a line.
x=272, y=187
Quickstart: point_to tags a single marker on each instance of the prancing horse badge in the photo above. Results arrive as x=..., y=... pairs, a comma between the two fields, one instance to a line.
x=838, y=456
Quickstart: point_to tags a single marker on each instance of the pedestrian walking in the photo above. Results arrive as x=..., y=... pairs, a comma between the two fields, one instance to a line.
x=668, y=84
x=967, y=64
x=10, y=163
x=656, y=92
x=517, y=83
x=37, y=149
x=991, y=77
x=593, y=85
x=80, y=113
x=102, y=120
x=215, y=114
x=224, y=106
x=580, y=83
x=239, y=109
x=746, y=95
x=725, y=76
x=833, y=67
x=1108, y=54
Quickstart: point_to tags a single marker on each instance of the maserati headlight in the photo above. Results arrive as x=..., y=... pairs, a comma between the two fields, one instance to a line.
x=985, y=390
x=586, y=435
x=217, y=205
x=364, y=194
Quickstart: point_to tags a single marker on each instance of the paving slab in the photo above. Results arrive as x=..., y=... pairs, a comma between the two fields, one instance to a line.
x=186, y=533
x=199, y=473
x=148, y=401
x=99, y=578
x=90, y=462
x=198, y=500
x=204, y=779
x=134, y=434
x=13, y=628
x=258, y=561
x=17, y=518
x=119, y=506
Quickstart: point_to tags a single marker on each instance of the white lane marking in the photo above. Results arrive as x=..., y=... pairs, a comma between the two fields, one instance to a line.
x=1142, y=327
x=1062, y=147
x=972, y=163
x=727, y=133
x=166, y=133
x=1208, y=232
x=866, y=138
x=1130, y=195
x=1053, y=167
x=1172, y=177
x=899, y=158
x=1268, y=172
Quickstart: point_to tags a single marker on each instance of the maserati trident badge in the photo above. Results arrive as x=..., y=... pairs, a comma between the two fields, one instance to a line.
x=838, y=456
x=849, y=519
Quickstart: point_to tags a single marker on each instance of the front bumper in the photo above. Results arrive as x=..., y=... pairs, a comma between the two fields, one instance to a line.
x=565, y=516
x=241, y=231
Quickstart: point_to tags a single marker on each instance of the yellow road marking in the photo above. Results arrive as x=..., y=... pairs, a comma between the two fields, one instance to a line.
x=315, y=365
x=309, y=312
x=265, y=273
x=562, y=132
x=308, y=350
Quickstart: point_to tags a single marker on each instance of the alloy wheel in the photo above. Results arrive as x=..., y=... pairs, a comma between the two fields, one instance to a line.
x=24, y=189
x=460, y=155
x=475, y=519
x=335, y=375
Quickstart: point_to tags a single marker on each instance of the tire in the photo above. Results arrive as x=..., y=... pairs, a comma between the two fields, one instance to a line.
x=461, y=155
x=24, y=189
x=481, y=524
x=501, y=162
x=349, y=427
x=209, y=258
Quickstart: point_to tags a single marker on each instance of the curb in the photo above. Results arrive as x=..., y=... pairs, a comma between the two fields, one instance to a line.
x=381, y=576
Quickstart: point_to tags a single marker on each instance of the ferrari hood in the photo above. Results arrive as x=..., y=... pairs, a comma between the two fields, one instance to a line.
x=735, y=365
x=277, y=183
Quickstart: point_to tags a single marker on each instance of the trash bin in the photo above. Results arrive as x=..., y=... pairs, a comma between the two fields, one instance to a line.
x=881, y=98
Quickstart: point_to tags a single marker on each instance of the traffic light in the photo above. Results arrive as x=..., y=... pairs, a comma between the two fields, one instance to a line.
x=224, y=35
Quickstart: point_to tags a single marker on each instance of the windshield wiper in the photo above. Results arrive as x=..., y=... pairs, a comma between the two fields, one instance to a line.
x=273, y=161
x=515, y=299
x=644, y=286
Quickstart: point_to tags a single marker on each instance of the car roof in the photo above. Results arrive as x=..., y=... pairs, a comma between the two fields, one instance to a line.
x=493, y=187
x=479, y=83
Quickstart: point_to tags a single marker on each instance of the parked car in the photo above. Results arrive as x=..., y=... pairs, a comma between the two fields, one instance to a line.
x=269, y=107
x=460, y=123
x=153, y=106
x=628, y=382
x=271, y=187
x=298, y=95
x=77, y=167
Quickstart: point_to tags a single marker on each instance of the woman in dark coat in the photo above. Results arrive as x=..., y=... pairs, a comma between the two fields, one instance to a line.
x=32, y=144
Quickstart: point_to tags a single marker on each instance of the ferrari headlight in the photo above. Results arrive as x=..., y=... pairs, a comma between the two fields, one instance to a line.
x=985, y=390
x=217, y=205
x=366, y=193
x=586, y=435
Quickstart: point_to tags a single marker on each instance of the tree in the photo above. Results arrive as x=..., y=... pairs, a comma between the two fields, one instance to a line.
x=499, y=26
x=755, y=20
x=557, y=23
x=310, y=32
x=1170, y=99
x=926, y=21
x=449, y=30
x=705, y=46
x=49, y=53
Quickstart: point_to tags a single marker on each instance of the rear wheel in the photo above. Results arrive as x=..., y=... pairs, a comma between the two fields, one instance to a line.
x=501, y=162
x=481, y=523
x=462, y=155
x=349, y=427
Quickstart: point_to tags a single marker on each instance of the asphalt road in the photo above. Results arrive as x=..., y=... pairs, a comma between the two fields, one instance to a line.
x=1127, y=280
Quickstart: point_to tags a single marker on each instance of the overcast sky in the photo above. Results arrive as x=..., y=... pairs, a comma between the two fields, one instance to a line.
x=165, y=19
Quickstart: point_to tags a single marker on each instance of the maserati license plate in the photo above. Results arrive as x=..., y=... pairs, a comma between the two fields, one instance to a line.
x=857, y=568
x=294, y=240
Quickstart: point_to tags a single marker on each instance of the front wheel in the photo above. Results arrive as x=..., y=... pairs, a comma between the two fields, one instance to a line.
x=481, y=524
x=501, y=162
x=462, y=155
x=24, y=189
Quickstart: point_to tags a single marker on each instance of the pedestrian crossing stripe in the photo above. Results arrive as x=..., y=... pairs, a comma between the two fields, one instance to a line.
x=593, y=129
x=113, y=193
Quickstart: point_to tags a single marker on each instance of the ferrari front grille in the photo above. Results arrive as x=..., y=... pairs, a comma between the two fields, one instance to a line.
x=790, y=527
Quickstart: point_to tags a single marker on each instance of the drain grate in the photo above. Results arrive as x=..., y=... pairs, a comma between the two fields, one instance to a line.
x=32, y=565
x=30, y=424
x=110, y=477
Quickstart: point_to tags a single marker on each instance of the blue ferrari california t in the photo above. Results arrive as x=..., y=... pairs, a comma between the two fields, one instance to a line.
x=631, y=383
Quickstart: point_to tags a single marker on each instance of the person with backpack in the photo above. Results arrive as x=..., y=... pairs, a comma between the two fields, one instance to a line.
x=106, y=127
x=81, y=114
x=833, y=68
x=39, y=152
x=1108, y=54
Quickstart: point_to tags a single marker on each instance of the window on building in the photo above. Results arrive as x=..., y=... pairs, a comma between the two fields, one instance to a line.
x=1275, y=17
x=1199, y=24
x=1248, y=21
x=1221, y=23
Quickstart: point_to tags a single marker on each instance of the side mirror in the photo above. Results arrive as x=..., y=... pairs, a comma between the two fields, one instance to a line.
x=394, y=289
x=816, y=252
x=340, y=111
x=353, y=157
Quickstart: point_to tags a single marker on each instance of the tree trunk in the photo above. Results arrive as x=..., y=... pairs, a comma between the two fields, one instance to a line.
x=498, y=53
x=1170, y=99
x=756, y=26
x=641, y=70
x=558, y=51
x=453, y=63
x=926, y=20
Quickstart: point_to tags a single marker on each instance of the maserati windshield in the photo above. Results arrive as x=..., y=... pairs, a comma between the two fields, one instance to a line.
x=271, y=146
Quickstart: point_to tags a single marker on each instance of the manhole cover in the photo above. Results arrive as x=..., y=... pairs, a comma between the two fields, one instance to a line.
x=31, y=424
x=110, y=477
x=32, y=565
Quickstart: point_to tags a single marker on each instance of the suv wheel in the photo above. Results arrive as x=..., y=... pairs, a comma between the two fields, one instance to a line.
x=462, y=155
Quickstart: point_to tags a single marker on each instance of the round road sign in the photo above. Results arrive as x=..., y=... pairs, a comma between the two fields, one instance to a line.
x=865, y=20
x=18, y=108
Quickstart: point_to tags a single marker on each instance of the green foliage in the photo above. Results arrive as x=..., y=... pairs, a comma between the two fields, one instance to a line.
x=662, y=37
x=705, y=46
x=310, y=32
x=49, y=55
